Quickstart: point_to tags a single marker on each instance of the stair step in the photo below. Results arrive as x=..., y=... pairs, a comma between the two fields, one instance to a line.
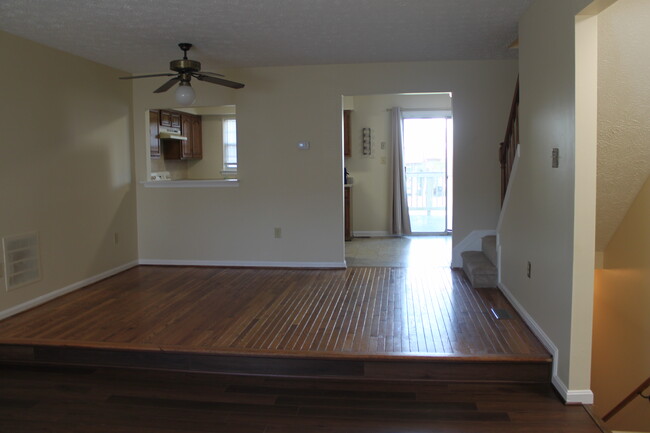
x=499, y=368
x=479, y=269
x=489, y=248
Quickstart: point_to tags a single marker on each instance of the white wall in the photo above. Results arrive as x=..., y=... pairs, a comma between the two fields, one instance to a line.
x=371, y=189
x=67, y=165
x=301, y=191
x=538, y=224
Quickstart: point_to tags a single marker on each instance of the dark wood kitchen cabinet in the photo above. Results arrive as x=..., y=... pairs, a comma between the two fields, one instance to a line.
x=197, y=137
x=154, y=141
x=348, y=213
x=171, y=119
x=192, y=148
x=186, y=130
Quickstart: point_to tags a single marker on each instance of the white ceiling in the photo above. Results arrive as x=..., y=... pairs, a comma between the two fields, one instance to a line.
x=142, y=36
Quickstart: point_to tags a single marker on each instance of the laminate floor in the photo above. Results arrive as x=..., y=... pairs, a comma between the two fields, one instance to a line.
x=87, y=400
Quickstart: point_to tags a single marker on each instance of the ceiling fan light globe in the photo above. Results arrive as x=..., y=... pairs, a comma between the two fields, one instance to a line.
x=185, y=94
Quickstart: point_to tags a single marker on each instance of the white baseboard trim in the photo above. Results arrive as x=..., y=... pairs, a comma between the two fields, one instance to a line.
x=569, y=396
x=575, y=396
x=64, y=291
x=375, y=234
x=472, y=242
x=244, y=264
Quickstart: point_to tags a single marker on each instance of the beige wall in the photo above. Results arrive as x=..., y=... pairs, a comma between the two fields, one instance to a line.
x=301, y=191
x=621, y=353
x=538, y=223
x=624, y=124
x=177, y=169
x=67, y=166
x=371, y=194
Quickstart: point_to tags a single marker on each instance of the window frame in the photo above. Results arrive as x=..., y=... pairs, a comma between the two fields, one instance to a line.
x=229, y=167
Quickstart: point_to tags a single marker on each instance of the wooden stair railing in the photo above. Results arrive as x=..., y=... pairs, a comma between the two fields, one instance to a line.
x=637, y=392
x=508, y=148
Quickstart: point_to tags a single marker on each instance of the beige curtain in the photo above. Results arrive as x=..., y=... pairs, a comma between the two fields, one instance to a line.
x=400, y=222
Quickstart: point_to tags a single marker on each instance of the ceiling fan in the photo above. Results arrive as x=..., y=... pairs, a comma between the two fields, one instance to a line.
x=185, y=70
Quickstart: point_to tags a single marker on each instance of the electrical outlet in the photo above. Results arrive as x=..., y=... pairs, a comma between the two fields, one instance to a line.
x=277, y=232
x=528, y=269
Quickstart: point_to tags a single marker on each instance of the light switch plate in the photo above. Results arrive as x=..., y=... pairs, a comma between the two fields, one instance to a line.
x=555, y=158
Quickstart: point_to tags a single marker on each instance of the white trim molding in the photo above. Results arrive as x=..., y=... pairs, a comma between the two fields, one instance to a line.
x=245, y=264
x=64, y=291
x=472, y=242
x=570, y=396
x=375, y=234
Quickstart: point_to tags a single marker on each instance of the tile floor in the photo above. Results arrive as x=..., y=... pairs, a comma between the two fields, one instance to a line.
x=407, y=251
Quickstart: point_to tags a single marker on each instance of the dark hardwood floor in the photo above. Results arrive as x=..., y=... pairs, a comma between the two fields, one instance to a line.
x=364, y=322
x=364, y=310
x=399, y=350
x=89, y=400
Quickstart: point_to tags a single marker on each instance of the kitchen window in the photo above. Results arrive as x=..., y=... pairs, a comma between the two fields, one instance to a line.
x=230, y=145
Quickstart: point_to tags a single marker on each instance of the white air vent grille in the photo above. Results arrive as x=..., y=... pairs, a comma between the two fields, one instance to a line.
x=22, y=265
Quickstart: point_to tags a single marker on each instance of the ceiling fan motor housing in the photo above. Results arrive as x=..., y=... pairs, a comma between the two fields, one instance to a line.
x=185, y=65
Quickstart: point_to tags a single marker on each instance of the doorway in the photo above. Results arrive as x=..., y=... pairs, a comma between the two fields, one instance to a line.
x=428, y=156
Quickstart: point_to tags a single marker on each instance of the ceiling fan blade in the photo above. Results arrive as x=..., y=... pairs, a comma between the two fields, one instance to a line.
x=220, y=81
x=168, y=85
x=214, y=74
x=147, y=76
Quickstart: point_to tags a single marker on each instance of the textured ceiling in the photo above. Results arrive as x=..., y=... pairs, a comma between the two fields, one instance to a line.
x=141, y=36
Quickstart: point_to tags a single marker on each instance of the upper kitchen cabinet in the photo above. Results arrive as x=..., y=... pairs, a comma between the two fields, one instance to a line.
x=170, y=118
x=186, y=130
x=154, y=140
x=197, y=137
x=191, y=148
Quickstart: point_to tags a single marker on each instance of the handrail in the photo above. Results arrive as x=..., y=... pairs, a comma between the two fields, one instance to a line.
x=508, y=148
x=638, y=391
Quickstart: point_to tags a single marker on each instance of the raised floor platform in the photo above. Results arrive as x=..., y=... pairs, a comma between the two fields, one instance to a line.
x=374, y=323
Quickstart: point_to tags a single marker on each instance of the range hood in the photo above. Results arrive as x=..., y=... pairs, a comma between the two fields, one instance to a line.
x=165, y=135
x=171, y=134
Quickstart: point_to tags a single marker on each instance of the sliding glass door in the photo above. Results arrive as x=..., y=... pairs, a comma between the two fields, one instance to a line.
x=428, y=155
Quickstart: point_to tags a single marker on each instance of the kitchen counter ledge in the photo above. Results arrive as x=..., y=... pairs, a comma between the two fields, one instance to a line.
x=215, y=183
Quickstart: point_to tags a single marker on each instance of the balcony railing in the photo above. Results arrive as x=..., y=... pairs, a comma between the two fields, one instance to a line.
x=427, y=201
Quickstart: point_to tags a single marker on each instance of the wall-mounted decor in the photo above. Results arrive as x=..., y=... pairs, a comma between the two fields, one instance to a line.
x=367, y=143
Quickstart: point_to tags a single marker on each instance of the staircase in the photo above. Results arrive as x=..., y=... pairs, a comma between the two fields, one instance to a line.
x=481, y=266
